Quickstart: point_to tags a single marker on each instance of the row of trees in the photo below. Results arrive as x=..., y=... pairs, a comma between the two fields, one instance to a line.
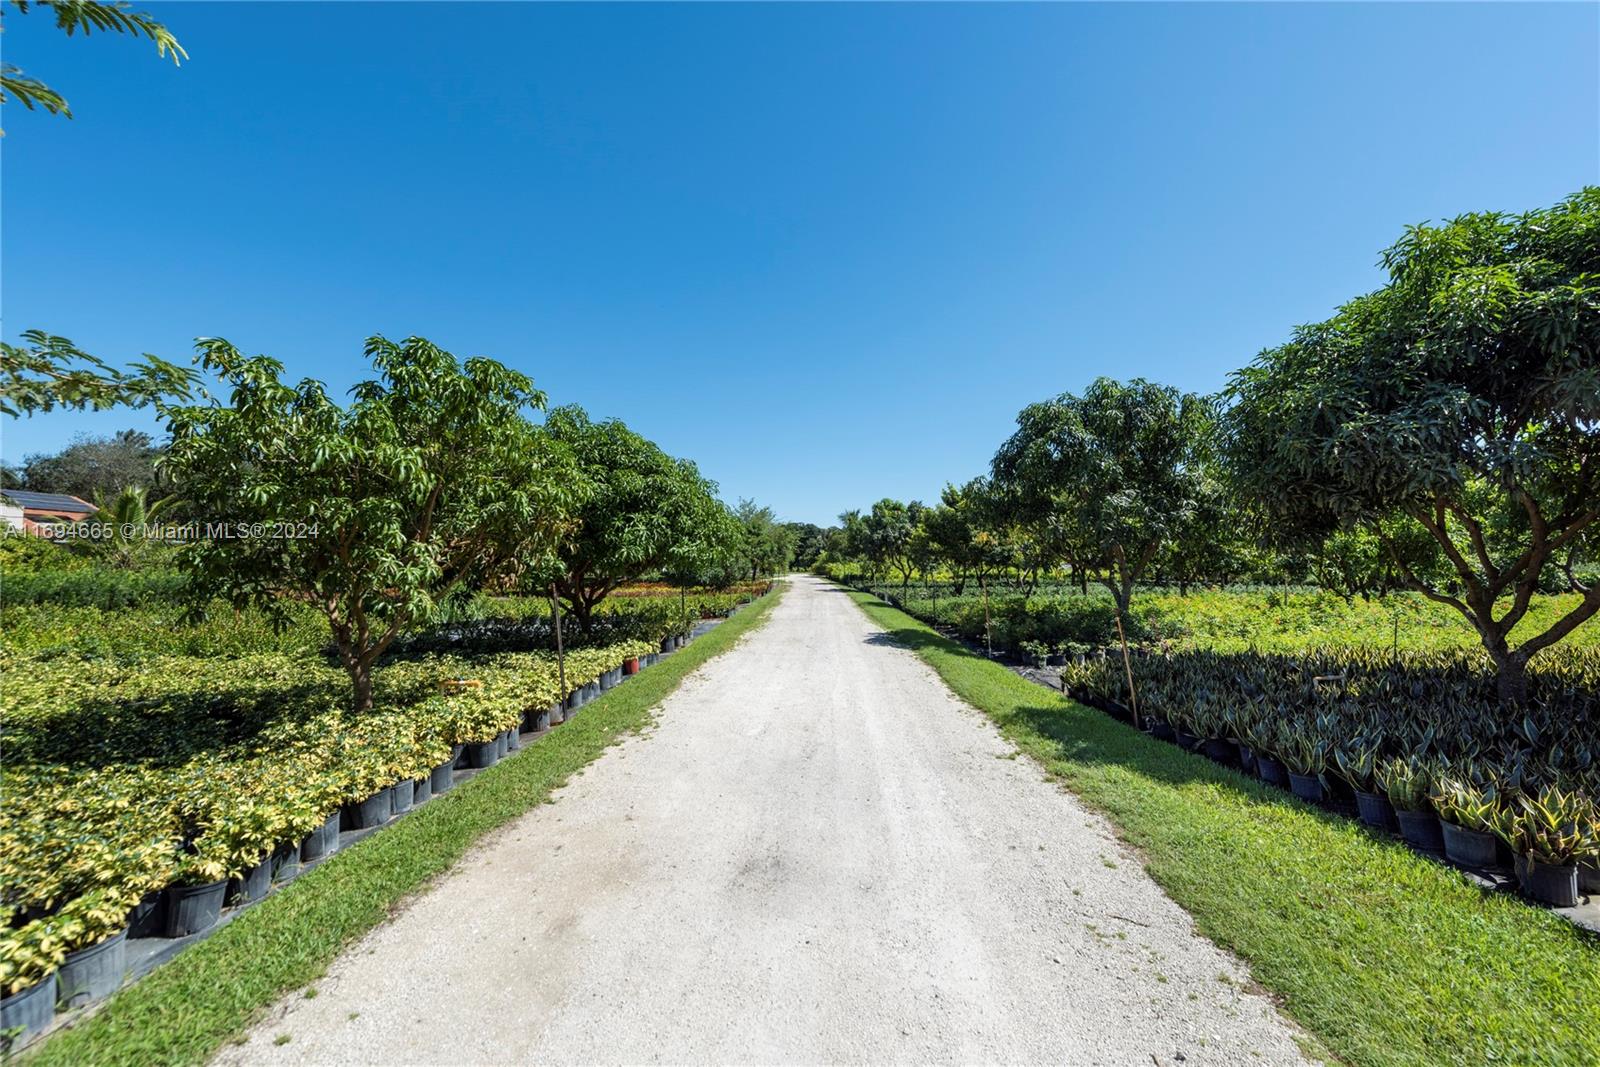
x=432, y=480
x=1440, y=435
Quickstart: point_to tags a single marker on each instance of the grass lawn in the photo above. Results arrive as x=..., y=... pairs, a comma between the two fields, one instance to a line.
x=186, y=1009
x=1385, y=957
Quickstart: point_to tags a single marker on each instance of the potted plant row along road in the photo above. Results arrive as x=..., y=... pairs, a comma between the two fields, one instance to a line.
x=1362, y=734
x=72, y=948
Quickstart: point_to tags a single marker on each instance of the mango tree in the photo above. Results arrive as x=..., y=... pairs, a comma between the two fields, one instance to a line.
x=1461, y=403
x=1112, y=476
x=432, y=477
x=645, y=511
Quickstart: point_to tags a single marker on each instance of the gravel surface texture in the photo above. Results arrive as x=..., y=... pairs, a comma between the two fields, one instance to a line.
x=816, y=855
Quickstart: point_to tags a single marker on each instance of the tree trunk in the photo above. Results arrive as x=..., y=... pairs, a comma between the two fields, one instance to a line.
x=361, y=681
x=1511, y=677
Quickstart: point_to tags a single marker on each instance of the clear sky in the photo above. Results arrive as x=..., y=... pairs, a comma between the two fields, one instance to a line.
x=826, y=251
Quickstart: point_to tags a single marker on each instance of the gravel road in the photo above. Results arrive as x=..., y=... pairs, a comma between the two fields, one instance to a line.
x=817, y=855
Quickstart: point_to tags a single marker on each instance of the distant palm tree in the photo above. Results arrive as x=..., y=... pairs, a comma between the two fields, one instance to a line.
x=126, y=515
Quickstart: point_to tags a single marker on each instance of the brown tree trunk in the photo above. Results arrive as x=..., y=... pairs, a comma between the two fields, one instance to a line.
x=1511, y=677
x=361, y=680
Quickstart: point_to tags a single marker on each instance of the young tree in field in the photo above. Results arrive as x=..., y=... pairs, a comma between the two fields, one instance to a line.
x=767, y=546
x=960, y=532
x=888, y=533
x=1117, y=473
x=432, y=476
x=1461, y=400
x=645, y=512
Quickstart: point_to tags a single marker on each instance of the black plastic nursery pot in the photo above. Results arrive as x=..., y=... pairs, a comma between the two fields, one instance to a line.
x=373, y=811
x=193, y=908
x=93, y=973
x=606, y=681
x=1308, y=787
x=444, y=776
x=1271, y=771
x=1224, y=752
x=1374, y=809
x=502, y=745
x=322, y=841
x=481, y=754
x=286, y=861
x=667, y=644
x=1247, y=758
x=1420, y=830
x=401, y=795
x=1589, y=877
x=1553, y=884
x=1187, y=741
x=422, y=790
x=536, y=719
x=513, y=739
x=252, y=885
x=24, y=1013
x=148, y=918
x=1162, y=730
x=558, y=713
x=1469, y=848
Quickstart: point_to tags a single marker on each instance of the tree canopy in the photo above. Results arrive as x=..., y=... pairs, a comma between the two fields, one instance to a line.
x=1461, y=401
x=1111, y=476
x=642, y=511
x=373, y=512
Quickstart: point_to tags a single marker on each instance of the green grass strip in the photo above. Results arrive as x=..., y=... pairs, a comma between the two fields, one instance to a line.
x=186, y=1009
x=1384, y=956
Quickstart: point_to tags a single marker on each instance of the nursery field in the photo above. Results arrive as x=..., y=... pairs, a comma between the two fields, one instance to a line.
x=146, y=753
x=1385, y=710
x=1058, y=619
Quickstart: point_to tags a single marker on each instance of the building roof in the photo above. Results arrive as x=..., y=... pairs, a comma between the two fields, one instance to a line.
x=57, y=502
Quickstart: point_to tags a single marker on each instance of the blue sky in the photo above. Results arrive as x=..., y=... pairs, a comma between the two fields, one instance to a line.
x=826, y=251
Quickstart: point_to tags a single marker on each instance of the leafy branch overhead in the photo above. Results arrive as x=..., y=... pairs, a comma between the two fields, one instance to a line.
x=86, y=16
x=46, y=372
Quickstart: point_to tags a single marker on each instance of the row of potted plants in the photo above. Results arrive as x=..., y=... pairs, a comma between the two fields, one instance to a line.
x=1416, y=744
x=153, y=835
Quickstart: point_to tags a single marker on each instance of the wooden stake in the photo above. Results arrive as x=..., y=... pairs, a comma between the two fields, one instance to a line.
x=1127, y=664
x=561, y=655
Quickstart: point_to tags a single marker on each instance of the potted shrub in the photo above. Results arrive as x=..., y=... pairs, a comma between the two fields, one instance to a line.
x=28, y=982
x=401, y=795
x=1357, y=762
x=1406, y=781
x=1468, y=813
x=252, y=883
x=1036, y=653
x=1305, y=757
x=194, y=900
x=322, y=841
x=1549, y=833
x=375, y=810
x=91, y=928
